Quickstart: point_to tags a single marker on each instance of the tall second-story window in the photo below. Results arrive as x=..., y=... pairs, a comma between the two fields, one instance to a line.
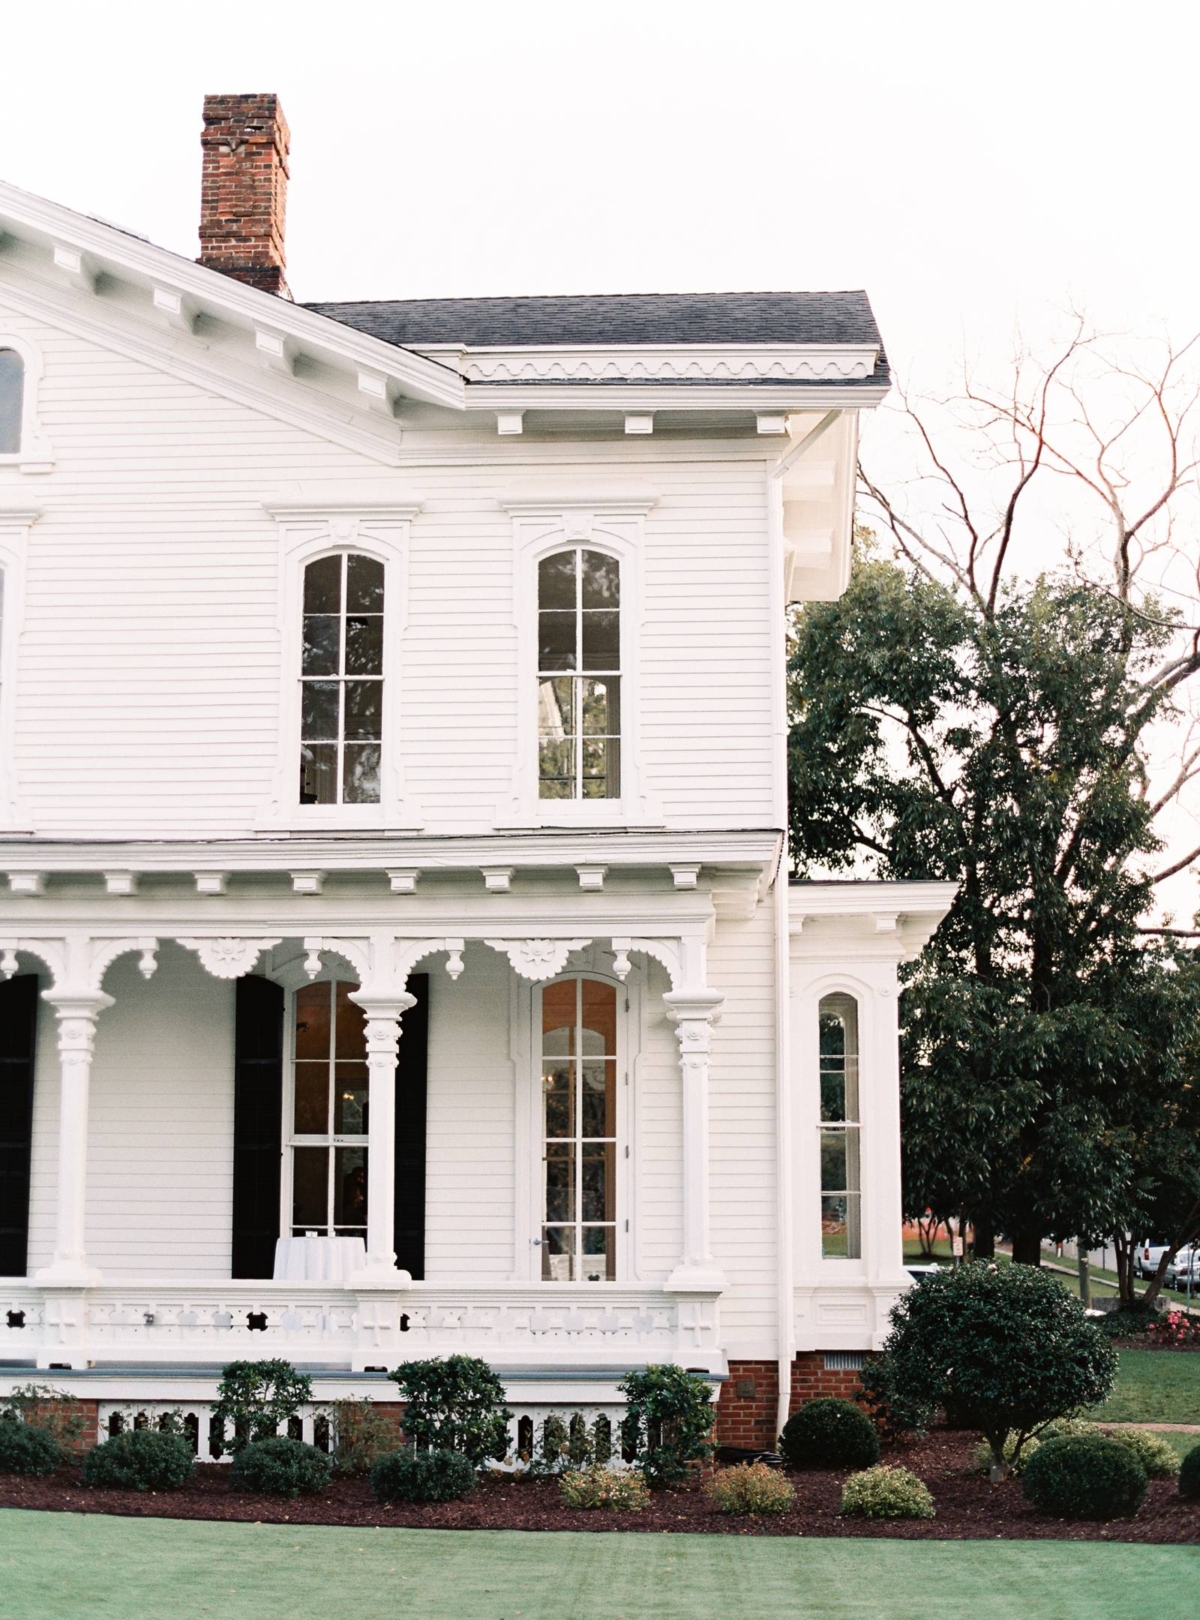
x=841, y=1174
x=12, y=400
x=341, y=710
x=579, y=675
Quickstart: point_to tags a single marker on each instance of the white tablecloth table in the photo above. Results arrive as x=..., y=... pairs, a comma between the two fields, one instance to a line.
x=318, y=1259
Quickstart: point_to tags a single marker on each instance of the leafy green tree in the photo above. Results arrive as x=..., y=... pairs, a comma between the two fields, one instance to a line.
x=961, y=714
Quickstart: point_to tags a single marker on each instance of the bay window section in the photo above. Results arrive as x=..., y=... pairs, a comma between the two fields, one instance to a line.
x=327, y=1129
x=579, y=1124
x=579, y=675
x=841, y=1177
x=341, y=681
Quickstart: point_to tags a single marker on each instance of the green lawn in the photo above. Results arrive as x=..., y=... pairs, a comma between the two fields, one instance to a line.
x=1155, y=1386
x=59, y=1566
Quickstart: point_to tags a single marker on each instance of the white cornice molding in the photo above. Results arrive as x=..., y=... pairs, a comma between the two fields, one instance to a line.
x=112, y=250
x=670, y=362
x=785, y=397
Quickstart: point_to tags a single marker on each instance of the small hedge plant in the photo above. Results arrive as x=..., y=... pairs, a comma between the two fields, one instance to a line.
x=1189, y=1475
x=1157, y=1456
x=279, y=1466
x=42, y=1406
x=26, y=1450
x=1085, y=1477
x=454, y=1403
x=436, y=1475
x=259, y=1398
x=751, y=1488
x=829, y=1433
x=1175, y=1328
x=363, y=1434
x=886, y=1493
x=596, y=1487
x=668, y=1422
x=139, y=1460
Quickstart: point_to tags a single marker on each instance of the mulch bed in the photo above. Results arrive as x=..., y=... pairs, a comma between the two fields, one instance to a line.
x=968, y=1506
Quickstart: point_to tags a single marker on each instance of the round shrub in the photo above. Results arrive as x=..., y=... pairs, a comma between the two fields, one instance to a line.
x=281, y=1467
x=887, y=1493
x=829, y=1433
x=1087, y=1477
x=454, y=1403
x=26, y=1450
x=422, y=1476
x=1189, y=1475
x=668, y=1422
x=751, y=1488
x=139, y=1460
x=1157, y=1456
x=597, y=1487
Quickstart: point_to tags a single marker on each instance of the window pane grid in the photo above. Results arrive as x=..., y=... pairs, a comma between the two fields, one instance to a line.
x=579, y=1143
x=579, y=723
x=341, y=724
x=839, y=1130
x=330, y=1113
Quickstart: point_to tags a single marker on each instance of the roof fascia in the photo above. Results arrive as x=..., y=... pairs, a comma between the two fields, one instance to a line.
x=213, y=292
x=660, y=361
x=785, y=397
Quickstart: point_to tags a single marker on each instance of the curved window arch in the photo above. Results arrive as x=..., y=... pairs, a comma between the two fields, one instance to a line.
x=12, y=400
x=579, y=675
x=341, y=680
x=579, y=1130
x=840, y=1129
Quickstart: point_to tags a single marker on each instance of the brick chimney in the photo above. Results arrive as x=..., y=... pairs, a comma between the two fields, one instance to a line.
x=243, y=190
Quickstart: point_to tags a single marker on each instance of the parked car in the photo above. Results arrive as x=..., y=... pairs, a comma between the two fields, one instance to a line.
x=1185, y=1262
x=1147, y=1256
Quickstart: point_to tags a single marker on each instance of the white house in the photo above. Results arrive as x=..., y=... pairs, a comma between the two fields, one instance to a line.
x=398, y=955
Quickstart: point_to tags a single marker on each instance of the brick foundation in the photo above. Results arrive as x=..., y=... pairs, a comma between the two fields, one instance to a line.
x=747, y=1407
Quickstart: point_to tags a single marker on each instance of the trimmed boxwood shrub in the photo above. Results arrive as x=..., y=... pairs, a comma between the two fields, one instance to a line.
x=829, y=1433
x=258, y=1398
x=668, y=1422
x=422, y=1476
x=1189, y=1475
x=27, y=1450
x=282, y=1467
x=139, y=1460
x=454, y=1403
x=1087, y=1477
x=886, y=1493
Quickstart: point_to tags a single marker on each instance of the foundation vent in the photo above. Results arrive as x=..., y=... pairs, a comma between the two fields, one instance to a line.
x=845, y=1360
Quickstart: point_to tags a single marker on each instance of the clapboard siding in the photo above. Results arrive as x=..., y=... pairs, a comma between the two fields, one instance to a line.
x=160, y=1126
x=149, y=683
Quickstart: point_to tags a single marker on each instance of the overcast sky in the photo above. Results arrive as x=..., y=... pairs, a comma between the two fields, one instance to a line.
x=971, y=165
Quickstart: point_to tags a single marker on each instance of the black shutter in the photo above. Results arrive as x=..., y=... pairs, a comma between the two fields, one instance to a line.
x=257, y=1125
x=411, y=1089
x=18, y=1028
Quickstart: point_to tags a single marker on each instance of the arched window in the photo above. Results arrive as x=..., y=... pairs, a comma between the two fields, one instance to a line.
x=326, y=1125
x=841, y=1173
x=579, y=1131
x=341, y=710
x=579, y=675
x=12, y=401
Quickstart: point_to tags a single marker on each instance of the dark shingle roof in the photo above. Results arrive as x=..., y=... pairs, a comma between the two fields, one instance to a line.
x=620, y=318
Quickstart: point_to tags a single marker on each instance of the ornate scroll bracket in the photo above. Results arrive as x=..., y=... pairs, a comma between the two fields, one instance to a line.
x=383, y=961
x=537, y=959
x=78, y=965
x=227, y=958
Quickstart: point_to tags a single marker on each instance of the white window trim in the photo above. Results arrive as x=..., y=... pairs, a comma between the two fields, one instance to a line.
x=526, y=1025
x=306, y=534
x=811, y=1263
x=540, y=527
x=35, y=454
x=15, y=524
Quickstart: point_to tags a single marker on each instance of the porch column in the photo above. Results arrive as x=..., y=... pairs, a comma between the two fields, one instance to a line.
x=383, y=1015
x=694, y=1013
x=77, y=1015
